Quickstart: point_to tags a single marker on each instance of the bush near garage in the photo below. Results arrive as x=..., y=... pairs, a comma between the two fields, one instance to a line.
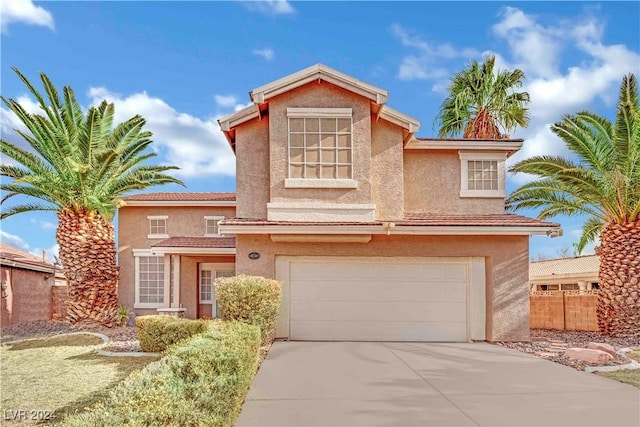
x=250, y=299
x=200, y=382
x=156, y=333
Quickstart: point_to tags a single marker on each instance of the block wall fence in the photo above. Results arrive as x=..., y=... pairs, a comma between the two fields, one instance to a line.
x=569, y=310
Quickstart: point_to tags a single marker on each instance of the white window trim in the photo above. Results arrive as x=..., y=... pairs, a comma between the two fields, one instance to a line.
x=214, y=218
x=137, y=253
x=337, y=113
x=214, y=267
x=464, y=174
x=158, y=236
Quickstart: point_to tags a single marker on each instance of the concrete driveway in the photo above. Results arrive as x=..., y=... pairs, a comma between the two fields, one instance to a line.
x=420, y=384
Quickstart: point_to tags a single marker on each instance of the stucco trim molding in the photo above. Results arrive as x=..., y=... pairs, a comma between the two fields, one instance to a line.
x=168, y=250
x=321, y=212
x=508, y=146
x=320, y=183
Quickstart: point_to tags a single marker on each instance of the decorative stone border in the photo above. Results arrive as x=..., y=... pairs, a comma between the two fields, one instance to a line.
x=98, y=350
x=631, y=365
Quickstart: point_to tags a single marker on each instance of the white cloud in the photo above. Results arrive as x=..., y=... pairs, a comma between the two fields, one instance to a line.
x=13, y=240
x=428, y=62
x=23, y=11
x=226, y=101
x=270, y=7
x=266, y=53
x=194, y=144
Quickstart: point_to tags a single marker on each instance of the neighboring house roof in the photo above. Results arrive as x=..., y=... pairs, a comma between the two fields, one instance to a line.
x=13, y=257
x=196, y=245
x=261, y=96
x=181, y=199
x=494, y=224
x=555, y=270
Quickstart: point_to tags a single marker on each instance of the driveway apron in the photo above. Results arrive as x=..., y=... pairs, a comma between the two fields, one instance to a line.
x=428, y=384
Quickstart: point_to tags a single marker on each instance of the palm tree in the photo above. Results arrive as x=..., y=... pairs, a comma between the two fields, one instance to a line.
x=483, y=103
x=79, y=165
x=603, y=182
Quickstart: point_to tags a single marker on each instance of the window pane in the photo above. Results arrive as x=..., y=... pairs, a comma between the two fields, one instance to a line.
x=312, y=172
x=313, y=156
x=344, y=172
x=328, y=156
x=328, y=140
x=344, y=156
x=312, y=125
x=296, y=171
x=329, y=172
x=296, y=140
x=313, y=140
x=297, y=155
x=328, y=125
x=344, y=141
x=151, y=279
x=344, y=125
x=296, y=125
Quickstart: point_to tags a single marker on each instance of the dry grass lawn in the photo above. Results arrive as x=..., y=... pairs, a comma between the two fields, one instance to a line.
x=627, y=376
x=59, y=376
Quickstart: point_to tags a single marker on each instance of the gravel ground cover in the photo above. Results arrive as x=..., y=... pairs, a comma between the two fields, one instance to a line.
x=543, y=341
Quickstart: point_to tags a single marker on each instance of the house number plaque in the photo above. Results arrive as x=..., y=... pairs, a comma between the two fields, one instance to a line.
x=254, y=255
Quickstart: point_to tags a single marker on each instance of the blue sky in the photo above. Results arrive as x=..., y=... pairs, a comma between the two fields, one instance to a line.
x=184, y=64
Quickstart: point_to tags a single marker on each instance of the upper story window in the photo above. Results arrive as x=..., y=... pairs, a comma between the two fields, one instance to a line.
x=482, y=174
x=211, y=226
x=158, y=227
x=320, y=151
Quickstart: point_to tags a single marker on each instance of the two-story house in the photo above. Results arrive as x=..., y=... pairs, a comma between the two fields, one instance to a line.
x=376, y=234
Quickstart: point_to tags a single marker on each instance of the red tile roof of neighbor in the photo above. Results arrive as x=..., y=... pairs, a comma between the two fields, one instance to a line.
x=10, y=256
x=197, y=242
x=493, y=220
x=179, y=197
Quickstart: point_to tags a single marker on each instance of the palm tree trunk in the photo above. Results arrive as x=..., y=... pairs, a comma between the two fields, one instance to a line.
x=618, y=306
x=88, y=256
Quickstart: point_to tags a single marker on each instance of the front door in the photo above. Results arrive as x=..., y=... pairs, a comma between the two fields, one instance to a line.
x=206, y=290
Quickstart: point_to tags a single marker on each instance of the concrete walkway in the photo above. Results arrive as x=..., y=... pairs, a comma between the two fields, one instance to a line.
x=420, y=384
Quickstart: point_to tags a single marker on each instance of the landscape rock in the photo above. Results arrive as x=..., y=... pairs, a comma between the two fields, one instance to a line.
x=589, y=355
x=602, y=346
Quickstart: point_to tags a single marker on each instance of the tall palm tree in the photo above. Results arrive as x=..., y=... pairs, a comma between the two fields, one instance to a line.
x=483, y=103
x=603, y=183
x=79, y=165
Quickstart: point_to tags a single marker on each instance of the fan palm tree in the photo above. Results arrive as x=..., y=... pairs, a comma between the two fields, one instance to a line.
x=483, y=103
x=79, y=165
x=603, y=182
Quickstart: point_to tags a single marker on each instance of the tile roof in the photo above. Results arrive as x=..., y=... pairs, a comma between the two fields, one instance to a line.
x=197, y=242
x=180, y=197
x=10, y=255
x=493, y=220
x=562, y=266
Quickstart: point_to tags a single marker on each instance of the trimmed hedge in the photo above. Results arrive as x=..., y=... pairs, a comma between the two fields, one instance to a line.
x=251, y=299
x=156, y=333
x=200, y=382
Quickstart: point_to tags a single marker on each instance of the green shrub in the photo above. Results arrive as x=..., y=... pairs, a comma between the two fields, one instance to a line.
x=156, y=333
x=251, y=299
x=200, y=382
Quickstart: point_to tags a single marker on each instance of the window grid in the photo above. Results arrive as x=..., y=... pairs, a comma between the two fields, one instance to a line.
x=482, y=174
x=151, y=279
x=211, y=226
x=206, y=285
x=157, y=226
x=320, y=148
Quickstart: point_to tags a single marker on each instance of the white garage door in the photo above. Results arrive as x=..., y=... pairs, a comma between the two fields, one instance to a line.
x=379, y=299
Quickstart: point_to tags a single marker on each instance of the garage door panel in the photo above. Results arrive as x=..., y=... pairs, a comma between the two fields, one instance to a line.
x=379, y=331
x=328, y=289
x=400, y=311
x=389, y=299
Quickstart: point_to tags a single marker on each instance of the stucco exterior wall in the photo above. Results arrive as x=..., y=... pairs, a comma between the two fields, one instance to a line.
x=133, y=228
x=320, y=95
x=387, y=184
x=252, y=169
x=432, y=186
x=26, y=296
x=506, y=263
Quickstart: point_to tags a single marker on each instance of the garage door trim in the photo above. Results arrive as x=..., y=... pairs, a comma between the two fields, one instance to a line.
x=476, y=296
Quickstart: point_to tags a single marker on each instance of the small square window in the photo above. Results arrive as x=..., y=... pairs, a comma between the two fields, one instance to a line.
x=211, y=225
x=158, y=227
x=482, y=174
